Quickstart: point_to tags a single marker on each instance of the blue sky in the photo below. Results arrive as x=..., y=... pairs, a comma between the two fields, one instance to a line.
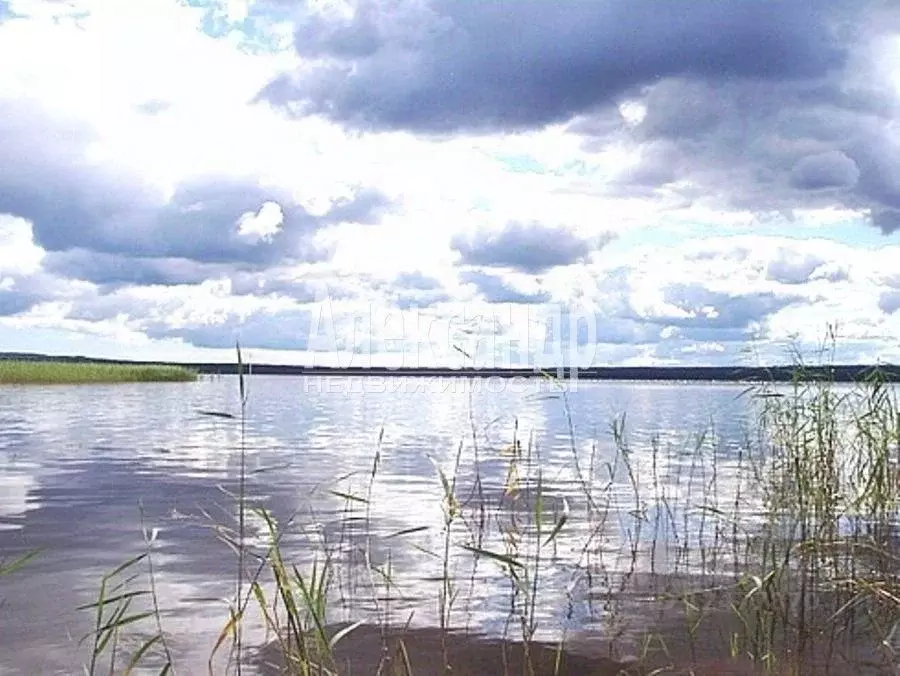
x=371, y=182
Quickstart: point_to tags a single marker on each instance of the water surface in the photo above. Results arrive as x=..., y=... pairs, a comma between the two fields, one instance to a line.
x=82, y=467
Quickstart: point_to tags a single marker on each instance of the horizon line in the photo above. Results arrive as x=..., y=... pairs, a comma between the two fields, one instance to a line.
x=837, y=372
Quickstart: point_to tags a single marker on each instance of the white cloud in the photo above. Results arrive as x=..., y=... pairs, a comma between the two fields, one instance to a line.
x=18, y=252
x=263, y=224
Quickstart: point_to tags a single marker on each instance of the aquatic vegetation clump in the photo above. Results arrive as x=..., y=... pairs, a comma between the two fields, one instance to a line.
x=26, y=372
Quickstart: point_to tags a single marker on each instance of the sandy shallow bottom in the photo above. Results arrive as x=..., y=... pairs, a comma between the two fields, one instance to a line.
x=370, y=650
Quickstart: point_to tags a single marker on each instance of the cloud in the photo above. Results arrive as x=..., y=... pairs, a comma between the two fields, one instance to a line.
x=792, y=267
x=889, y=302
x=445, y=66
x=22, y=293
x=698, y=307
x=115, y=270
x=416, y=280
x=763, y=107
x=74, y=203
x=698, y=302
x=153, y=107
x=573, y=328
x=14, y=299
x=205, y=315
x=530, y=247
x=262, y=225
x=414, y=289
x=831, y=169
x=285, y=330
x=495, y=289
x=24, y=283
x=817, y=140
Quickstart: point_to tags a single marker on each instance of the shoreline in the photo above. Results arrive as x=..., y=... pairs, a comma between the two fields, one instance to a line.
x=838, y=373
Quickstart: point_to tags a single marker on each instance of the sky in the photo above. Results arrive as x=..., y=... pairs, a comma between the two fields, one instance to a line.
x=436, y=182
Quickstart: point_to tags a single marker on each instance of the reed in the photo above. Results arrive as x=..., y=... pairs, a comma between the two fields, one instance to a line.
x=24, y=372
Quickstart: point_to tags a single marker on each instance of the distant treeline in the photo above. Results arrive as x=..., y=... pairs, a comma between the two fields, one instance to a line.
x=835, y=373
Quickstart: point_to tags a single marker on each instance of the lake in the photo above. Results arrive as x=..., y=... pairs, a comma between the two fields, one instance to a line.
x=83, y=467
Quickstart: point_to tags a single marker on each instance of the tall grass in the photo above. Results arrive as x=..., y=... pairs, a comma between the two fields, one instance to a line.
x=781, y=555
x=15, y=372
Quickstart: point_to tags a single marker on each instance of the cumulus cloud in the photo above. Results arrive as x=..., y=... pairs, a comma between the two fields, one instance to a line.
x=764, y=106
x=698, y=307
x=24, y=283
x=443, y=66
x=262, y=225
x=20, y=295
x=528, y=247
x=771, y=147
x=689, y=304
x=495, y=289
x=415, y=289
x=206, y=315
x=114, y=270
x=831, y=169
x=770, y=144
x=284, y=330
x=792, y=267
x=47, y=177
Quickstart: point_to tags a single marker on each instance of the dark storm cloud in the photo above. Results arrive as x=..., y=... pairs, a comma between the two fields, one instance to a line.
x=832, y=169
x=876, y=149
x=112, y=272
x=764, y=106
x=496, y=290
x=531, y=247
x=771, y=145
x=45, y=178
x=777, y=149
x=444, y=65
x=198, y=223
x=115, y=270
x=887, y=219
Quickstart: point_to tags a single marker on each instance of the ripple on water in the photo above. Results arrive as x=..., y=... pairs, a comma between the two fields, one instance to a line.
x=79, y=464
